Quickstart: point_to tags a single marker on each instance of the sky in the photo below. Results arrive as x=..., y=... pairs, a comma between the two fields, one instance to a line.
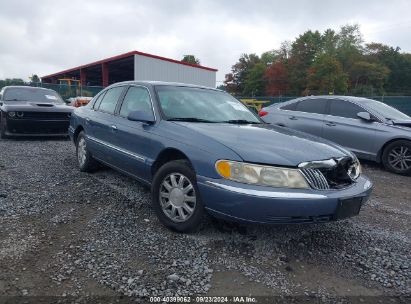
x=46, y=36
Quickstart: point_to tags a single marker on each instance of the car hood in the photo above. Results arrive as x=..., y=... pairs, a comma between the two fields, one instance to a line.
x=33, y=106
x=268, y=144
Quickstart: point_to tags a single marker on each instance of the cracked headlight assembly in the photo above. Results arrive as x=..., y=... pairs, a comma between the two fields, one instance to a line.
x=261, y=175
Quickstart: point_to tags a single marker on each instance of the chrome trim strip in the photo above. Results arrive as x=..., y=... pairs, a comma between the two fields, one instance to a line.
x=268, y=194
x=327, y=163
x=131, y=154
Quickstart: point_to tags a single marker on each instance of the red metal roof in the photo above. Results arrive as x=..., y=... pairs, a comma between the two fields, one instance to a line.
x=127, y=55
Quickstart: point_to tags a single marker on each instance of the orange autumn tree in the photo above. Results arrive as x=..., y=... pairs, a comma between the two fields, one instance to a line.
x=277, y=82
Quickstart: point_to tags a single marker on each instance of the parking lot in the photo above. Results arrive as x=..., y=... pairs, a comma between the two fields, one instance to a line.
x=67, y=233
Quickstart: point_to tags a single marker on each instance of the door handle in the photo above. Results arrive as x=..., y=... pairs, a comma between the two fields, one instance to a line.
x=331, y=124
x=293, y=118
x=114, y=128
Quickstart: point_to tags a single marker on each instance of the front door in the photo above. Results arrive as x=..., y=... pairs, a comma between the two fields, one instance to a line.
x=344, y=127
x=134, y=138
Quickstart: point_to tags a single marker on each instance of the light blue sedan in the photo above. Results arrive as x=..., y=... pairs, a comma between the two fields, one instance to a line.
x=200, y=149
x=371, y=129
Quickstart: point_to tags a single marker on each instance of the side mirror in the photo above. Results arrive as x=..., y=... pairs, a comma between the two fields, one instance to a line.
x=365, y=116
x=141, y=116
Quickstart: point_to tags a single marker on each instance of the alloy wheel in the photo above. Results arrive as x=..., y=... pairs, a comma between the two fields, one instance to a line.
x=82, y=151
x=400, y=158
x=177, y=197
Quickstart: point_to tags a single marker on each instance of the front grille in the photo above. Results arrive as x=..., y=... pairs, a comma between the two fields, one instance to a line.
x=324, y=178
x=44, y=115
x=316, y=179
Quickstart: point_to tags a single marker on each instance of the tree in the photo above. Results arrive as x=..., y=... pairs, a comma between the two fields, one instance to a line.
x=329, y=41
x=276, y=77
x=255, y=83
x=34, y=78
x=11, y=81
x=190, y=59
x=235, y=81
x=370, y=75
x=349, y=45
x=399, y=78
x=326, y=76
x=303, y=52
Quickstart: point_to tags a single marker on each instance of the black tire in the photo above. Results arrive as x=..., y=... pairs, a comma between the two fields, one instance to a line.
x=88, y=163
x=391, y=163
x=2, y=126
x=195, y=219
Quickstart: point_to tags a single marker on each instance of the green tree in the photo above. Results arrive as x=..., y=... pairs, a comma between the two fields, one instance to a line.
x=34, y=78
x=349, y=45
x=329, y=41
x=370, y=75
x=326, y=76
x=235, y=81
x=190, y=59
x=303, y=52
x=255, y=82
x=399, y=79
x=11, y=81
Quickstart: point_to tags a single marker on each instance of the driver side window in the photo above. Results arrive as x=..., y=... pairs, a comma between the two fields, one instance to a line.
x=136, y=99
x=343, y=108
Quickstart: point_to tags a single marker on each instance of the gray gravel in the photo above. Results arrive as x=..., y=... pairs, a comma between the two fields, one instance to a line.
x=95, y=234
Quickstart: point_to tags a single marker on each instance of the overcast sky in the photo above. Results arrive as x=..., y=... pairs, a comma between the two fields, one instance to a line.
x=44, y=37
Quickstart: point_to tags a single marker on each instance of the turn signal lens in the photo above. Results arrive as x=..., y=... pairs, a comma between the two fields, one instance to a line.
x=262, y=113
x=224, y=168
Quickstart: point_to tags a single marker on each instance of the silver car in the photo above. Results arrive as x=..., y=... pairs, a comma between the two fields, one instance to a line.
x=371, y=129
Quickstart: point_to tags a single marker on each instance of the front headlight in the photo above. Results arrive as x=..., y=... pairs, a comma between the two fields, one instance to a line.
x=261, y=175
x=354, y=170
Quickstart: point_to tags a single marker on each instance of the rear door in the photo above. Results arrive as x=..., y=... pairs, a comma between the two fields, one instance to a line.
x=344, y=127
x=134, y=138
x=101, y=126
x=306, y=115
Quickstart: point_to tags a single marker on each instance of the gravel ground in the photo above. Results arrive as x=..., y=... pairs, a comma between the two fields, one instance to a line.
x=66, y=233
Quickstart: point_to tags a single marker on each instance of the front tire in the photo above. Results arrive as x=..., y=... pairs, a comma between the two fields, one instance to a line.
x=2, y=126
x=85, y=160
x=176, y=198
x=397, y=157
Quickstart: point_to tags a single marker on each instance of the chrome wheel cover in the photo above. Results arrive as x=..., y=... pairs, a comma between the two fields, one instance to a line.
x=81, y=151
x=177, y=197
x=400, y=158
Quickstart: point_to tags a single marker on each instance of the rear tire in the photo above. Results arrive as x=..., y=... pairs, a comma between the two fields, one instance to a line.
x=176, y=198
x=85, y=160
x=397, y=157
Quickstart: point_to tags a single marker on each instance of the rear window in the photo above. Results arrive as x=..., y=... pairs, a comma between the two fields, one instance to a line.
x=317, y=106
x=31, y=94
x=289, y=107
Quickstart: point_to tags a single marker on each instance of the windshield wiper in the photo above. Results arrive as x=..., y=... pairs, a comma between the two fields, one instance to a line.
x=241, y=121
x=15, y=99
x=189, y=119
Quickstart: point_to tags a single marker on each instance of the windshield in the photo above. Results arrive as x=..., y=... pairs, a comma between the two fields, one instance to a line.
x=385, y=110
x=32, y=94
x=202, y=105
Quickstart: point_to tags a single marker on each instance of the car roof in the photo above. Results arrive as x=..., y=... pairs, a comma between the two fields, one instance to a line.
x=27, y=87
x=162, y=83
x=353, y=99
